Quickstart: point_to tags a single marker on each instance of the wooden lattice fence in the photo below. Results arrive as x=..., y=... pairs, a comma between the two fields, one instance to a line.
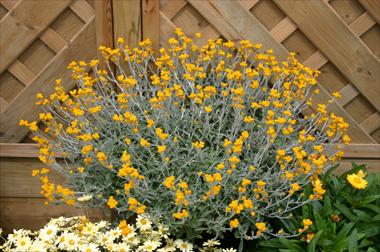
x=38, y=38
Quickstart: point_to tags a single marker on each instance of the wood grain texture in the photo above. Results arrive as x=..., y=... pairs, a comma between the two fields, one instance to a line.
x=83, y=9
x=151, y=23
x=21, y=72
x=358, y=151
x=338, y=43
x=372, y=165
x=172, y=7
x=53, y=40
x=82, y=47
x=23, y=23
x=104, y=26
x=372, y=123
x=18, y=150
x=31, y=213
x=373, y=7
x=16, y=177
x=127, y=21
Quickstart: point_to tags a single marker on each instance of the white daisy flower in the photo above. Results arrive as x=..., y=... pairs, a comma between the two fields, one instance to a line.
x=71, y=242
x=122, y=247
x=23, y=243
x=167, y=248
x=151, y=245
x=183, y=246
x=143, y=223
x=39, y=246
x=229, y=250
x=90, y=247
x=211, y=243
x=48, y=232
x=105, y=239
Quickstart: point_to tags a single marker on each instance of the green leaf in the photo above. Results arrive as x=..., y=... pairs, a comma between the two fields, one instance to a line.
x=327, y=207
x=368, y=199
x=312, y=245
x=344, y=210
x=292, y=244
x=347, y=197
x=353, y=241
x=325, y=242
x=343, y=233
x=327, y=174
x=274, y=243
x=371, y=250
x=320, y=224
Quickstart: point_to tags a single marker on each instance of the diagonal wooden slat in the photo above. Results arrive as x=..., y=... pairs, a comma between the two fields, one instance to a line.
x=283, y=29
x=167, y=28
x=3, y=105
x=83, y=9
x=240, y=23
x=53, y=40
x=21, y=72
x=362, y=24
x=171, y=8
x=50, y=37
x=23, y=23
x=372, y=123
x=348, y=93
x=373, y=7
x=81, y=47
x=8, y=4
x=334, y=38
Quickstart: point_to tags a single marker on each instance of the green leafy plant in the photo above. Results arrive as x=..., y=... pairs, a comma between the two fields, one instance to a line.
x=348, y=219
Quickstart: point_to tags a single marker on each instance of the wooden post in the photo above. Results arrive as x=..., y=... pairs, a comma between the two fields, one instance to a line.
x=104, y=25
x=151, y=22
x=127, y=21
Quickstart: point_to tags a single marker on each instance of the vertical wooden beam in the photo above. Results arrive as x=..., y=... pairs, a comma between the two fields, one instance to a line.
x=104, y=25
x=151, y=22
x=127, y=21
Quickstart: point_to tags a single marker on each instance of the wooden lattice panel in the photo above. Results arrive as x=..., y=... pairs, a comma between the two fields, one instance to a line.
x=341, y=38
x=38, y=39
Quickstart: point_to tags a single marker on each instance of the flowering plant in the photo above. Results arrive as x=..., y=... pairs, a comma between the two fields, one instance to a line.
x=205, y=139
x=79, y=234
x=347, y=218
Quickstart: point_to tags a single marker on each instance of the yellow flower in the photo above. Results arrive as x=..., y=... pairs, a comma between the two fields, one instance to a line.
x=261, y=227
x=336, y=94
x=181, y=215
x=234, y=223
x=307, y=223
x=169, y=182
x=112, y=203
x=149, y=123
x=161, y=148
x=101, y=156
x=198, y=144
x=208, y=109
x=357, y=180
x=144, y=143
x=86, y=149
x=248, y=119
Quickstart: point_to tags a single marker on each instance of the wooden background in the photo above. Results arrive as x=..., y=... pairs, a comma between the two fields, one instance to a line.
x=38, y=38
